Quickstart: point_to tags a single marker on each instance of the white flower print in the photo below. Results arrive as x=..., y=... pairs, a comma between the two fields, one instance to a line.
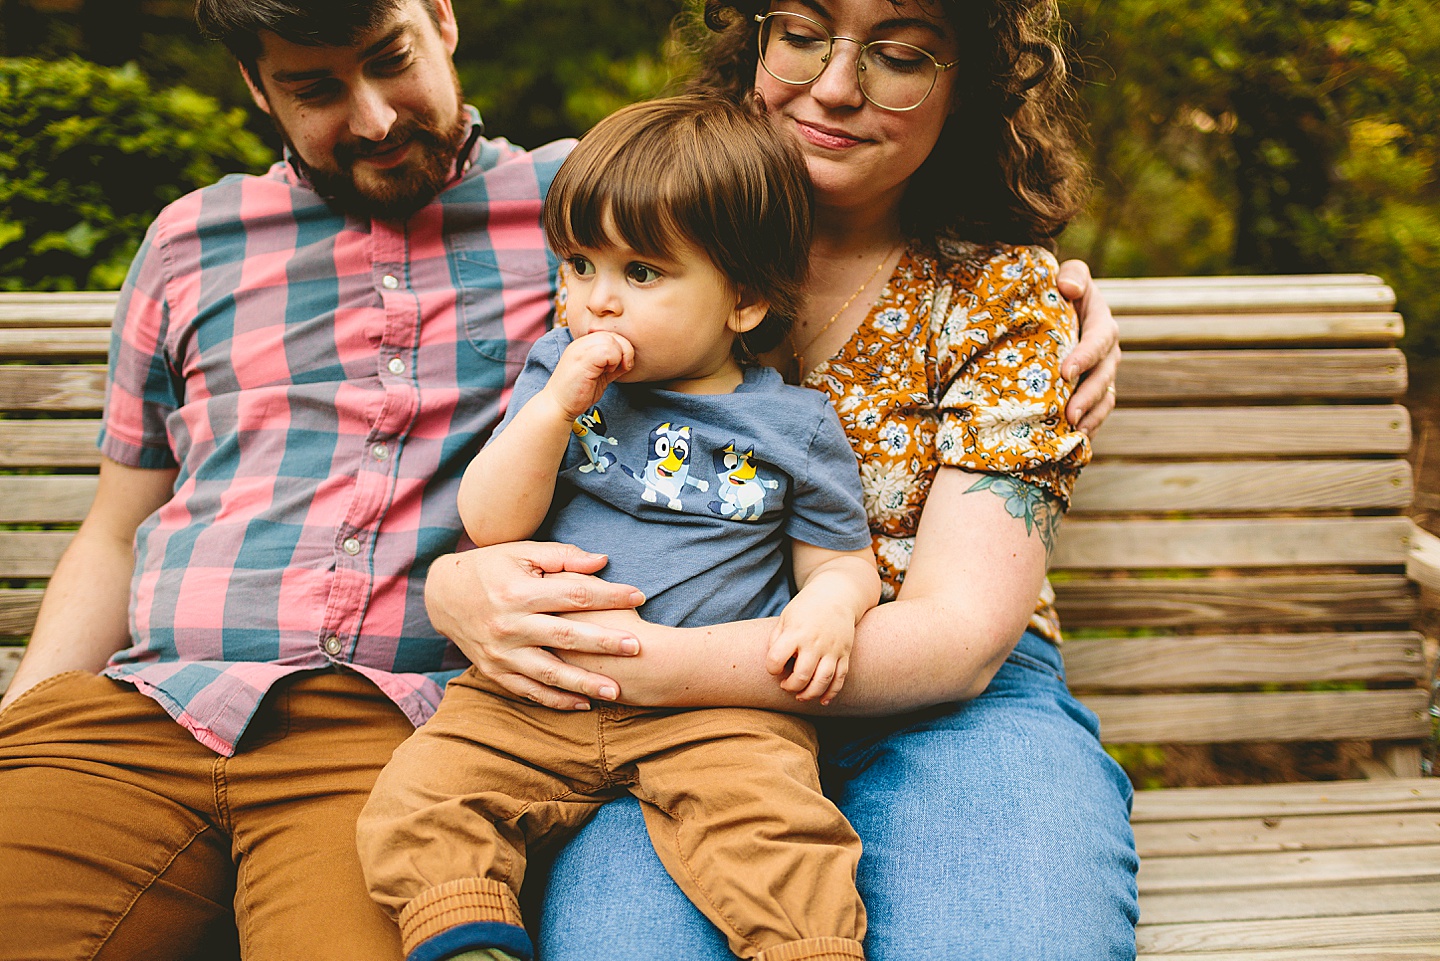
x=896, y=552
x=894, y=437
x=892, y=319
x=1008, y=357
x=1011, y=425
x=1035, y=380
x=1012, y=271
x=884, y=491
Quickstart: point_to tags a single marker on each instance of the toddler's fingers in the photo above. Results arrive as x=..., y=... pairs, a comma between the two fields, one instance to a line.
x=780, y=652
x=806, y=663
x=820, y=683
x=841, y=672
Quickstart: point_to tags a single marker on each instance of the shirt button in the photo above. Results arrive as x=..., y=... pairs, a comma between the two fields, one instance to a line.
x=396, y=365
x=350, y=545
x=390, y=281
x=380, y=452
x=332, y=645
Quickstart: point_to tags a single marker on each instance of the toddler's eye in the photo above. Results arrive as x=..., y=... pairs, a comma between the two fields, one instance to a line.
x=581, y=266
x=642, y=273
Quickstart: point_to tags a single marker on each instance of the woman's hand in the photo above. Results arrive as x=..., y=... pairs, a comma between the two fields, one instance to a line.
x=1091, y=366
x=500, y=606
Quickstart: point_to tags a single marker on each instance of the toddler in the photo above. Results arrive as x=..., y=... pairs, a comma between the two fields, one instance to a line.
x=646, y=431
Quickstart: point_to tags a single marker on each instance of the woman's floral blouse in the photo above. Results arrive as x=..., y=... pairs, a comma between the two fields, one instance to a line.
x=958, y=364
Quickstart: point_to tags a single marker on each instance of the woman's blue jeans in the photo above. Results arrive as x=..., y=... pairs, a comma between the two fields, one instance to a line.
x=993, y=829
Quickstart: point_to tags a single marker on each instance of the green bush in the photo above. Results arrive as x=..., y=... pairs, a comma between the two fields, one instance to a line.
x=88, y=156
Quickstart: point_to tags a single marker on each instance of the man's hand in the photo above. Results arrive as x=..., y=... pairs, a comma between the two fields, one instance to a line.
x=1091, y=366
x=500, y=606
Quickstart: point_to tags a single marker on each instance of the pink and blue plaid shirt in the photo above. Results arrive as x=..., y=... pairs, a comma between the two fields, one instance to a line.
x=320, y=382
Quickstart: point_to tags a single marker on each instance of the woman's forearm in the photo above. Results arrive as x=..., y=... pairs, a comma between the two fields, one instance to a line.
x=907, y=655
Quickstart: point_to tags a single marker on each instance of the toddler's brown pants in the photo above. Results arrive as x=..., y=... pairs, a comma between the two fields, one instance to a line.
x=731, y=798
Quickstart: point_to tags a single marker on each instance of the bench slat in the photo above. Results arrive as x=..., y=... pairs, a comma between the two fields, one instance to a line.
x=1220, y=872
x=1418, y=927
x=31, y=553
x=1213, y=603
x=54, y=387
x=9, y=660
x=1288, y=902
x=1270, y=542
x=1255, y=431
x=1108, y=284
x=1108, y=487
x=1288, y=800
x=1273, y=716
x=46, y=499
x=1258, y=835
x=1279, y=296
x=39, y=342
x=1117, y=664
x=1193, y=375
x=1372, y=329
x=18, y=607
x=1420, y=951
x=49, y=443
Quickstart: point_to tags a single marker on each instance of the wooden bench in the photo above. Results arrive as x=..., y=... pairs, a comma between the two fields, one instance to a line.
x=1237, y=567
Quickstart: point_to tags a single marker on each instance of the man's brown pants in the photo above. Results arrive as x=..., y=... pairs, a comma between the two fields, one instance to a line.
x=122, y=837
x=731, y=798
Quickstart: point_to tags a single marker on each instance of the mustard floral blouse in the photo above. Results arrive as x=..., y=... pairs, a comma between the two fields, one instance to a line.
x=958, y=364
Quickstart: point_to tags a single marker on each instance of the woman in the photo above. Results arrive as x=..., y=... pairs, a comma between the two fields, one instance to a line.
x=994, y=824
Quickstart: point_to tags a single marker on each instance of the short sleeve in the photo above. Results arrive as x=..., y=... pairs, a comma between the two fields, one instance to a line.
x=827, y=507
x=999, y=334
x=539, y=365
x=142, y=389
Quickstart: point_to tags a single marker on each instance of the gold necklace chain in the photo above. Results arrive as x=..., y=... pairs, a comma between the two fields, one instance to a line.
x=799, y=353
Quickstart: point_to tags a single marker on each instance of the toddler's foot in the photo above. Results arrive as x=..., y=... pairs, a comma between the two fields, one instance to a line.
x=483, y=954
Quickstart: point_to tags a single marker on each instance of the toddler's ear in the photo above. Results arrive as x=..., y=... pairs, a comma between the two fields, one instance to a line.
x=749, y=311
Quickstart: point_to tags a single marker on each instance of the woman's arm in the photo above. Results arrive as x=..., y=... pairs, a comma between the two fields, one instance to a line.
x=971, y=588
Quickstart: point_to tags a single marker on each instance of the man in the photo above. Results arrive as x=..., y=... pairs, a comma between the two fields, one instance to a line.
x=302, y=364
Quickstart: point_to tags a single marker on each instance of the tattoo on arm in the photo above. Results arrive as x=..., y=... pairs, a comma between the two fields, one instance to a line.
x=1029, y=503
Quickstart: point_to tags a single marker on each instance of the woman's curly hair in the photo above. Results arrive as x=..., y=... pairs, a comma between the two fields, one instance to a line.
x=1006, y=166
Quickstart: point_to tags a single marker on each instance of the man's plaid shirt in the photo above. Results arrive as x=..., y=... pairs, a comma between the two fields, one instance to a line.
x=320, y=381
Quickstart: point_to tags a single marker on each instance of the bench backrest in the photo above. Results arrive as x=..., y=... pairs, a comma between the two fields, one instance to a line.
x=1233, y=568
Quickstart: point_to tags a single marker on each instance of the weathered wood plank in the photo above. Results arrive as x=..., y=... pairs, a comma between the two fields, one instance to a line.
x=46, y=499
x=1222, y=872
x=1243, y=486
x=1108, y=284
x=1288, y=902
x=56, y=309
x=18, y=607
x=49, y=443
x=1372, y=329
x=1255, y=431
x=1335, y=933
x=1277, y=716
x=1420, y=951
x=1194, y=375
x=55, y=387
x=1309, y=833
x=31, y=553
x=1117, y=664
x=1270, y=542
x=43, y=343
x=1287, y=800
x=1164, y=296
x=1423, y=564
x=1229, y=602
x=9, y=660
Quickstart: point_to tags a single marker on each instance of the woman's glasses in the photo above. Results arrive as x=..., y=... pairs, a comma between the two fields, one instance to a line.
x=893, y=76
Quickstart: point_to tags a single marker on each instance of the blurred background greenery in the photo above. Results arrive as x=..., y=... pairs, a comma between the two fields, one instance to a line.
x=1226, y=136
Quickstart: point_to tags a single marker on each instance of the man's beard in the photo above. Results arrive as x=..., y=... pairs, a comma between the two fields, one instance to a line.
x=396, y=193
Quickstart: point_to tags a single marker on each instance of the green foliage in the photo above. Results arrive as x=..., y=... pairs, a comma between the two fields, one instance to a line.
x=88, y=156
x=1294, y=136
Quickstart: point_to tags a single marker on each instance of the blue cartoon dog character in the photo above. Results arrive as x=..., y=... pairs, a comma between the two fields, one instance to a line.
x=667, y=467
x=741, y=494
x=590, y=428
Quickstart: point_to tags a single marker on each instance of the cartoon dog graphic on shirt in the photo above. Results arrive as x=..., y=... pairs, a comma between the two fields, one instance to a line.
x=590, y=428
x=741, y=494
x=667, y=467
